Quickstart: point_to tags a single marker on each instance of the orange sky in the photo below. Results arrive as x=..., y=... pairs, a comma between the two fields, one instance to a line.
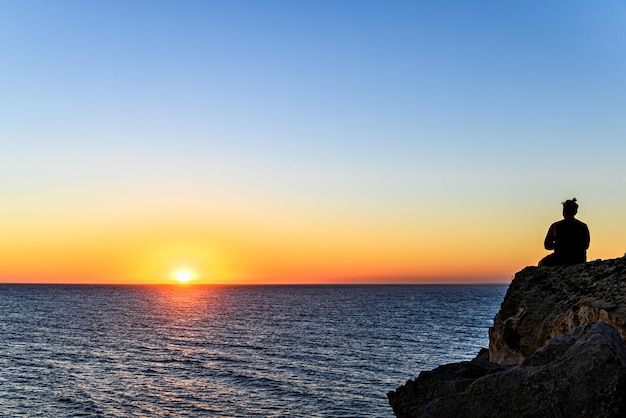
x=266, y=250
x=281, y=243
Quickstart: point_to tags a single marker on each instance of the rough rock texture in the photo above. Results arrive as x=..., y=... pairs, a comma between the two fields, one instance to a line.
x=581, y=374
x=545, y=302
x=556, y=350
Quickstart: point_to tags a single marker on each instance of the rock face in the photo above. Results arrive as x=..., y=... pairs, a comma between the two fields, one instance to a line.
x=581, y=374
x=556, y=350
x=545, y=302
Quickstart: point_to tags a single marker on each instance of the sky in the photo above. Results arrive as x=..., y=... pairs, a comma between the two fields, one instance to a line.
x=264, y=142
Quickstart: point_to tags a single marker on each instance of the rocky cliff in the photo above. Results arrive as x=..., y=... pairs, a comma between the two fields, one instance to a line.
x=556, y=349
x=545, y=302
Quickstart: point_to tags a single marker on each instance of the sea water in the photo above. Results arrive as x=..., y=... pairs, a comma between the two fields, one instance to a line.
x=245, y=351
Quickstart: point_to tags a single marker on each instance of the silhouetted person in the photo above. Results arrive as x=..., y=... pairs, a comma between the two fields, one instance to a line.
x=569, y=238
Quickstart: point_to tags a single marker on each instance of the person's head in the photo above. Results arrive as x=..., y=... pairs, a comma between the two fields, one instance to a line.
x=570, y=208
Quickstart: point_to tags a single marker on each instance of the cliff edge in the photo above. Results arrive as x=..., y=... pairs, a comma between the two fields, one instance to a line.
x=556, y=349
x=545, y=302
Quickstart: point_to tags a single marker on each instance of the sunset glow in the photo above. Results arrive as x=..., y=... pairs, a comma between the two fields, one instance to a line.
x=306, y=142
x=184, y=275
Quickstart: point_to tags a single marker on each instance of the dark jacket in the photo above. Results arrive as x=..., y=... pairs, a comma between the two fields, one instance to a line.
x=569, y=238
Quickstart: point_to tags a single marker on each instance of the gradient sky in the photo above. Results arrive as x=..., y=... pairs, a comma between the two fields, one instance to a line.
x=306, y=141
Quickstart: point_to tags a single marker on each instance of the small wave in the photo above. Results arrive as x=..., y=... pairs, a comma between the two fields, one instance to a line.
x=312, y=351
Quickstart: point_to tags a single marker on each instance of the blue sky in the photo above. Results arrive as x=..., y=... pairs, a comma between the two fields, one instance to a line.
x=342, y=110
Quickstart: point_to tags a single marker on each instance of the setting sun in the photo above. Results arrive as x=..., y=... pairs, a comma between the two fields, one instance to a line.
x=184, y=275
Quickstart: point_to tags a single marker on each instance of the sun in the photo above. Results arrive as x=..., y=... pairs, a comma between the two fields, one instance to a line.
x=184, y=275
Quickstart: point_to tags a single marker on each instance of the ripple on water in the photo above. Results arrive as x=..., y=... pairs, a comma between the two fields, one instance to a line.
x=271, y=351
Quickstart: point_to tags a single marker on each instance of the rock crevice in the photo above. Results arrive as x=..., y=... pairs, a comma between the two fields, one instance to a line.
x=543, y=303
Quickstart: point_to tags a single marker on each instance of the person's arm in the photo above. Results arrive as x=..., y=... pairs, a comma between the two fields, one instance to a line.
x=548, y=243
x=587, y=238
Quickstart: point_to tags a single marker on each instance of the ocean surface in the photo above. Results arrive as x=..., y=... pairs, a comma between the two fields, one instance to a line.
x=202, y=351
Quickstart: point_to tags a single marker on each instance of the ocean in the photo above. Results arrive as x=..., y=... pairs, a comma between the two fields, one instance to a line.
x=219, y=351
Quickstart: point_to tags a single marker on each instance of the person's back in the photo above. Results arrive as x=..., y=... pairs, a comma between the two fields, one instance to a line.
x=572, y=240
x=569, y=238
